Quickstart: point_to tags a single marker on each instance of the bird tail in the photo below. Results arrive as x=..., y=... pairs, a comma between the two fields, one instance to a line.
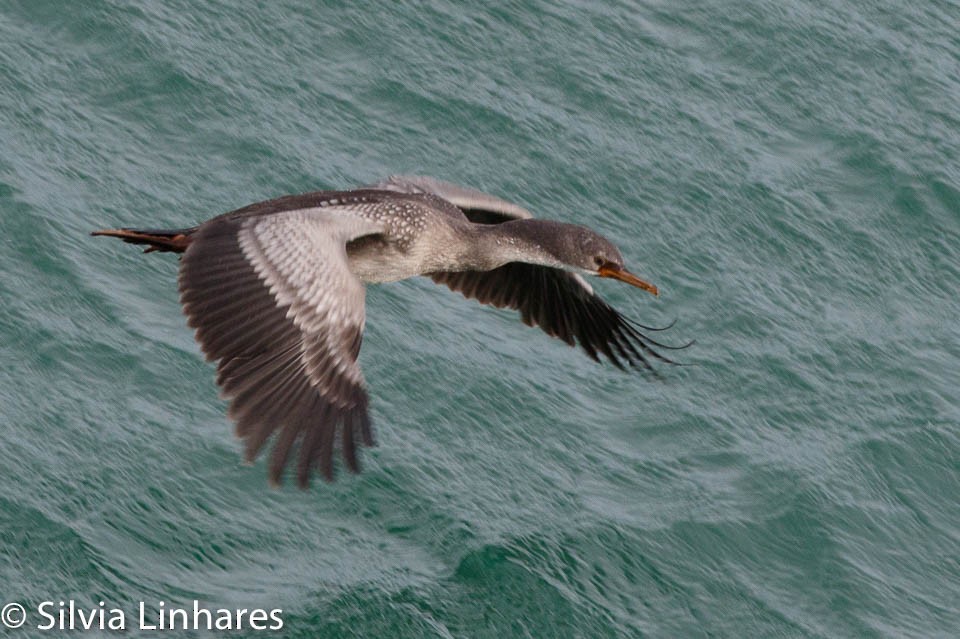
x=175, y=241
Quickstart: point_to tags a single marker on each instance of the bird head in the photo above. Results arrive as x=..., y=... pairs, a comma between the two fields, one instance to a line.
x=593, y=254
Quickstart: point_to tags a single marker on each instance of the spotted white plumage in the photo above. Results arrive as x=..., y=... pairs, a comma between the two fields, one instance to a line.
x=462, y=196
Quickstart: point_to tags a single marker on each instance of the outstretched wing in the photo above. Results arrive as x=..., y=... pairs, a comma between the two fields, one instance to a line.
x=274, y=303
x=561, y=304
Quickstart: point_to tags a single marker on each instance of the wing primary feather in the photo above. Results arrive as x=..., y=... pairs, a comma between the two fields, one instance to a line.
x=348, y=441
x=281, y=451
x=312, y=443
x=268, y=413
x=325, y=452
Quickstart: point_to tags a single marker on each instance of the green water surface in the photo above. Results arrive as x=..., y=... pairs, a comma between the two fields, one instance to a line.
x=788, y=173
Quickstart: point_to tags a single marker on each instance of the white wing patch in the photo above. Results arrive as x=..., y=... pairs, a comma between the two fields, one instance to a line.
x=301, y=257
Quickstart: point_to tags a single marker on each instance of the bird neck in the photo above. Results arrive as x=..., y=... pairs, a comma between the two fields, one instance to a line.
x=493, y=245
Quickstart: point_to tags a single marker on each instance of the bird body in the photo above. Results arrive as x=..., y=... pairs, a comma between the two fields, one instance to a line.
x=276, y=293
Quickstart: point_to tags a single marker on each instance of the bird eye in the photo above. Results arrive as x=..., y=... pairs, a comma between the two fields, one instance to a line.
x=599, y=261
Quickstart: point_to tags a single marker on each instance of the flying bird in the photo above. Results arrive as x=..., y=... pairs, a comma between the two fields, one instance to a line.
x=275, y=292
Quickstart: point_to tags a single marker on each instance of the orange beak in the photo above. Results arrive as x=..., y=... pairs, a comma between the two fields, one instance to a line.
x=612, y=270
